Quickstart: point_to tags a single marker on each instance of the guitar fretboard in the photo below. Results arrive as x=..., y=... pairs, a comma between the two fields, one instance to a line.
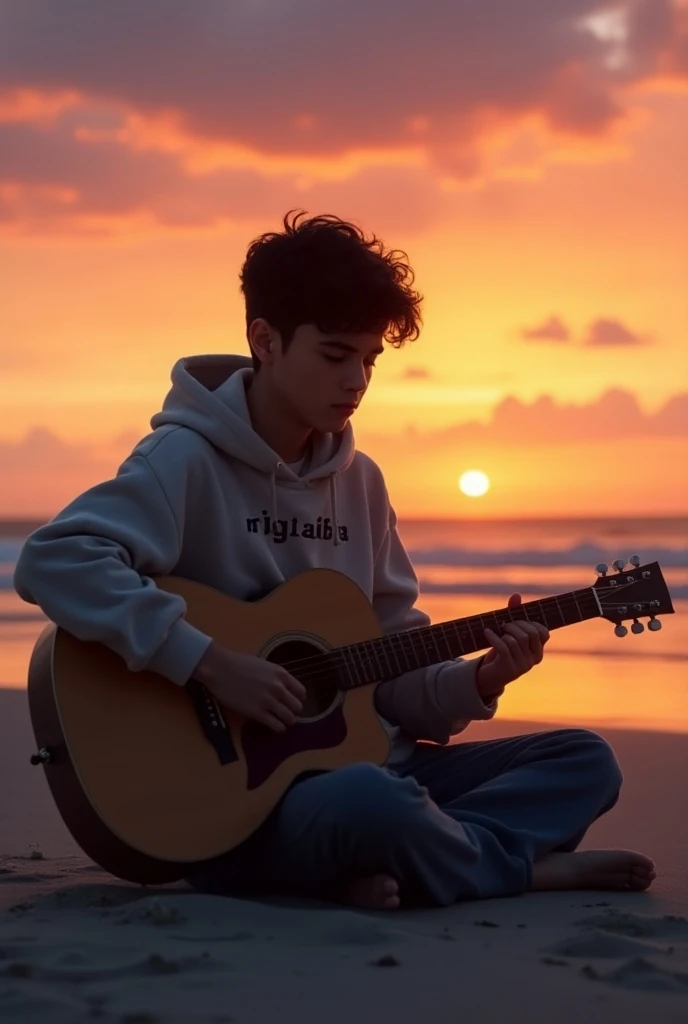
x=390, y=656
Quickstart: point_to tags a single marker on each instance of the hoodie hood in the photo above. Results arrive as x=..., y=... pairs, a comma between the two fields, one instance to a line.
x=208, y=395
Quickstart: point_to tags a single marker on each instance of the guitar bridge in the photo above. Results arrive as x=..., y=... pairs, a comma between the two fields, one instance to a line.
x=211, y=721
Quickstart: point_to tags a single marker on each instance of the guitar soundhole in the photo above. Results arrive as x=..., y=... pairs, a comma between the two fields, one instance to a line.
x=321, y=693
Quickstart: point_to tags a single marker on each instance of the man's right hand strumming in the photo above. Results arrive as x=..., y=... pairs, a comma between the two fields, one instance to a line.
x=251, y=686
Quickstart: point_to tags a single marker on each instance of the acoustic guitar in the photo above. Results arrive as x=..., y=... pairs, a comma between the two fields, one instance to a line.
x=152, y=779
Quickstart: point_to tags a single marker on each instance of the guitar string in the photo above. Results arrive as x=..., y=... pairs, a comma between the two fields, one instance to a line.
x=311, y=667
x=403, y=642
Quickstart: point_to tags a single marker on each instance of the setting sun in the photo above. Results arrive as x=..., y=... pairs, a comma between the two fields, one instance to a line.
x=473, y=483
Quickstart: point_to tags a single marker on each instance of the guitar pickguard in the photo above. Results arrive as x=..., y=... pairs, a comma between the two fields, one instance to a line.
x=265, y=750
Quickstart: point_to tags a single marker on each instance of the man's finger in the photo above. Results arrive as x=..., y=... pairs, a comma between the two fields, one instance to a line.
x=535, y=629
x=521, y=633
x=535, y=641
x=538, y=633
x=498, y=643
x=510, y=648
x=541, y=630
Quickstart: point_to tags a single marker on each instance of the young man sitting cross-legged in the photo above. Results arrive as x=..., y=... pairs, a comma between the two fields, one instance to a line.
x=250, y=477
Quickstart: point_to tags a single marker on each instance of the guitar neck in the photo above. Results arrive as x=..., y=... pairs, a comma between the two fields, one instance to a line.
x=390, y=656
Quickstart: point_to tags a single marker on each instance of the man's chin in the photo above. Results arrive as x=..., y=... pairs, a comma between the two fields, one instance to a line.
x=337, y=419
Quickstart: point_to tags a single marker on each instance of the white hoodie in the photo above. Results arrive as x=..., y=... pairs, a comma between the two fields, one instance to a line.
x=205, y=498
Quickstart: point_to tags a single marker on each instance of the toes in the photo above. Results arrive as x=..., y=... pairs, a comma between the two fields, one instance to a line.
x=389, y=886
x=392, y=892
x=641, y=861
x=641, y=877
x=641, y=871
x=387, y=892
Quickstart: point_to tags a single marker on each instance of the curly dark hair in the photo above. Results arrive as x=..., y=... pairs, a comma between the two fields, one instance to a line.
x=324, y=271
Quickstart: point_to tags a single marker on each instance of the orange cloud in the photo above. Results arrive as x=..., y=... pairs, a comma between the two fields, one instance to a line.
x=20, y=105
x=41, y=472
x=544, y=459
x=186, y=116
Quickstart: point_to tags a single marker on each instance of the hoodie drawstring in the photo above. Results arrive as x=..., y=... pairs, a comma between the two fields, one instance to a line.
x=333, y=502
x=273, y=495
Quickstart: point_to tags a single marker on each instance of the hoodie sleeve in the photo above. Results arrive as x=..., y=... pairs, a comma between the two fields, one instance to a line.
x=89, y=571
x=431, y=703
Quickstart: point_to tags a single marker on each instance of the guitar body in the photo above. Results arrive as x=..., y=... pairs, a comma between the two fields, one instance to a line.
x=153, y=779
x=139, y=784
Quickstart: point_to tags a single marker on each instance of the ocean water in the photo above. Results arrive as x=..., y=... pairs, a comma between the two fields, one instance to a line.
x=588, y=675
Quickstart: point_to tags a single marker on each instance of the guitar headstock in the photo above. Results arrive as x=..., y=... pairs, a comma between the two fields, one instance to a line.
x=632, y=593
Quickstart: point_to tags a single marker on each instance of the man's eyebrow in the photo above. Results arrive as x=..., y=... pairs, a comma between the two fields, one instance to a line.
x=343, y=346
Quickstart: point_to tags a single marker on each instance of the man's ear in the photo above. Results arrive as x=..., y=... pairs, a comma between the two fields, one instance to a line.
x=261, y=339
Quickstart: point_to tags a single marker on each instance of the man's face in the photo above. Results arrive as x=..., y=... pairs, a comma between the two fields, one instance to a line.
x=323, y=377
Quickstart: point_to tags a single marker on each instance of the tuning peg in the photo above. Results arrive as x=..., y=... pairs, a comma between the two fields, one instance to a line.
x=601, y=568
x=654, y=624
x=621, y=630
x=635, y=560
x=637, y=627
x=619, y=563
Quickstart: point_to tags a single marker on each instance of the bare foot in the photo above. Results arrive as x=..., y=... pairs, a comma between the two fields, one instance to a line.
x=372, y=892
x=594, y=869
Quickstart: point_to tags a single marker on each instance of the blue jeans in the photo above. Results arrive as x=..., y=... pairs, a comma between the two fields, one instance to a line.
x=460, y=822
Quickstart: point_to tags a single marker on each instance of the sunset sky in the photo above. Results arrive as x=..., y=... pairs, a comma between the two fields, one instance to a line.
x=531, y=157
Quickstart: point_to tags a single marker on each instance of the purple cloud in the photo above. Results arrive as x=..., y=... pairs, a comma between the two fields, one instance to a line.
x=612, y=332
x=408, y=90
x=553, y=329
x=416, y=373
x=616, y=413
x=41, y=462
x=601, y=332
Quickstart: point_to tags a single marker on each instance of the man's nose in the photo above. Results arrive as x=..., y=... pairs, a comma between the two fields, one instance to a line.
x=356, y=380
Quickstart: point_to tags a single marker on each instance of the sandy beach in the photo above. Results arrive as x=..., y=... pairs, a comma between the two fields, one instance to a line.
x=78, y=945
